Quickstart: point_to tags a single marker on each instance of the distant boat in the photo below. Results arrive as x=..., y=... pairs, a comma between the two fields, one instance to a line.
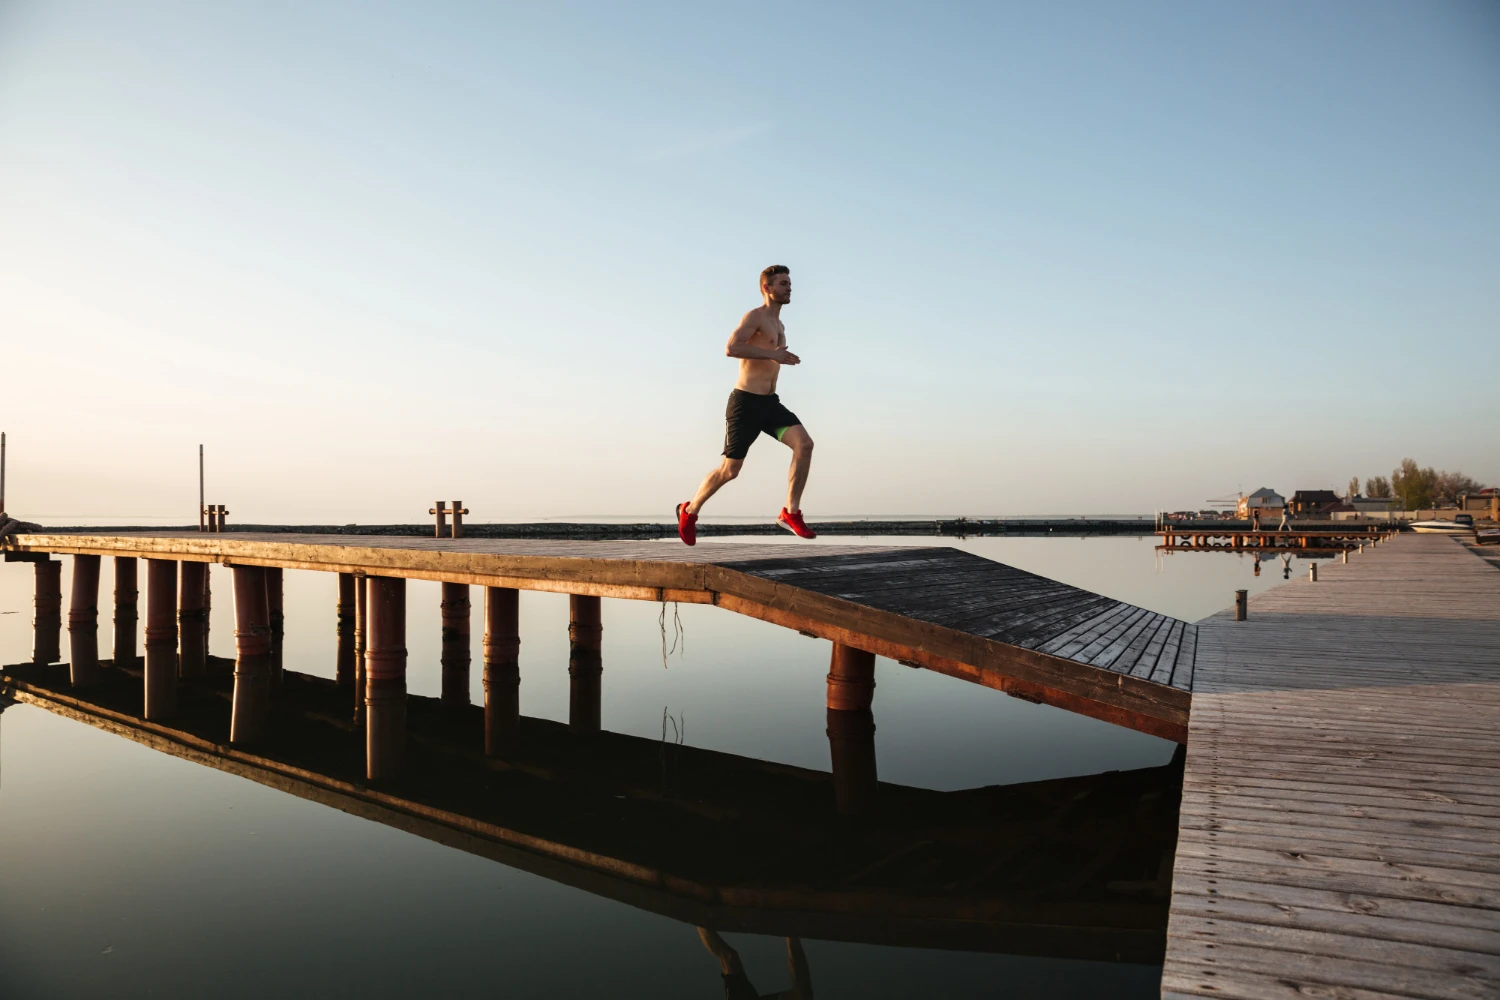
x=1465, y=526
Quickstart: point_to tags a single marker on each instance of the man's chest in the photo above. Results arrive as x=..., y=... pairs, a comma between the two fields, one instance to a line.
x=770, y=335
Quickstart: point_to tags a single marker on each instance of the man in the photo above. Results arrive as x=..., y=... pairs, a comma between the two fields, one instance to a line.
x=754, y=408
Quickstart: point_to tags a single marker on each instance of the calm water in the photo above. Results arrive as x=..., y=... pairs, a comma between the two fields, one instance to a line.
x=129, y=872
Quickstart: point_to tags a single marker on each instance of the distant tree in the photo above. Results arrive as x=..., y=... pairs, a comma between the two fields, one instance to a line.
x=1450, y=485
x=1379, y=488
x=1354, y=486
x=1414, y=485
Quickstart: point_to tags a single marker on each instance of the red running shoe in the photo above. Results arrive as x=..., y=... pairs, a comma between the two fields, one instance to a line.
x=687, y=525
x=792, y=521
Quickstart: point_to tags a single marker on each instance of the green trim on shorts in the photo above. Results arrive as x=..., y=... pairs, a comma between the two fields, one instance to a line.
x=782, y=430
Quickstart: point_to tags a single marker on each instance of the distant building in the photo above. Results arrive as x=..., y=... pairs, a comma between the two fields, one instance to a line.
x=1357, y=508
x=1264, y=501
x=1305, y=503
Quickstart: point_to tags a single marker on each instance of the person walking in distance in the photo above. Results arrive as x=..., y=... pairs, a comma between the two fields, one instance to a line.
x=759, y=342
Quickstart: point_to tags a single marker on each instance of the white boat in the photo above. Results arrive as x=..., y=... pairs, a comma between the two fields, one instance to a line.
x=1444, y=527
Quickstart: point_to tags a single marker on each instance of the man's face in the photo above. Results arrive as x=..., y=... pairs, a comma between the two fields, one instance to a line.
x=780, y=289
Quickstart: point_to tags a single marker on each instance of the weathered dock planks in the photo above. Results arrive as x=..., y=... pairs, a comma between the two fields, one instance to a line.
x=1340, y=823
x=938, y=608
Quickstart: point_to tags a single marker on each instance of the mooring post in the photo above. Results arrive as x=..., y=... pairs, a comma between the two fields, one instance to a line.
x=502, y=670
x=1344, y=555
x=385, y=678
x=192, y=621
x=1312, y=572
x=361, y=634
x=83, y=622
x=851, y=727
x=459, y=510
x=252, y=655
x=127, y=615
x=1241, y=605
x=275, y=605
x=439, y=510
x=585, y=663
x=456, y=649
x=47, y=620
x=161, y=638
x=344, y=627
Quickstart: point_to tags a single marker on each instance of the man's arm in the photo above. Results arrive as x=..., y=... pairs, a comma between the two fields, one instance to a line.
x=739, y=345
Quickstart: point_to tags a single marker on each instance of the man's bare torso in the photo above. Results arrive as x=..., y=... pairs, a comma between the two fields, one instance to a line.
x=758, y=375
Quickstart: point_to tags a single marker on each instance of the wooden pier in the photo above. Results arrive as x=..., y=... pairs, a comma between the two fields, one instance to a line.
x=1340, y=830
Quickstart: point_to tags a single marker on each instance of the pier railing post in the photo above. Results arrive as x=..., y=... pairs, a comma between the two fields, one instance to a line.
x=343, y=629
x=456, y=649
x=83, y=622
x=47, y=617
x=161, y=638
x=252, y=661
x=585, y=663
x=127, y=615
x=502, y=670
x=1241, y=605
x=385, y=678
x=192, y=620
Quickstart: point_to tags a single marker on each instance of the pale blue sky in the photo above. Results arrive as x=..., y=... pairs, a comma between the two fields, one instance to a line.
x=1062, y=257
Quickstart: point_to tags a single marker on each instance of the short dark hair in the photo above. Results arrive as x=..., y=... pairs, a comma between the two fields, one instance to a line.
x=769, y=274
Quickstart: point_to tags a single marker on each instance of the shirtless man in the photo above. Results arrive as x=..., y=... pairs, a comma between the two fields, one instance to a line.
x=760, y=344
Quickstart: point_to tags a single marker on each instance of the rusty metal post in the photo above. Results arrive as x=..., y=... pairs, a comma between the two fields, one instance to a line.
x=361, y=633
x=456, y=653
x=851, y=752
x=343, y=628
x=439, y=510
x=459, y=510
x=851, y=679
x=192, y=621
x=252, y=659
x=161, y=638
x=127, y=615
x=83, y=622
x=1241, y=605
x=585, y=665
x=275, y=603
x=47, y=620
x=502, y=670
x=385, y=678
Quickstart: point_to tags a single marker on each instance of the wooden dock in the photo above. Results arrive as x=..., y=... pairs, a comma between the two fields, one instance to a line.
x=1340, y=832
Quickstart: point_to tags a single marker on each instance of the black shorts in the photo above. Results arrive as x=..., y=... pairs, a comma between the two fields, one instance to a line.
x=749, y=414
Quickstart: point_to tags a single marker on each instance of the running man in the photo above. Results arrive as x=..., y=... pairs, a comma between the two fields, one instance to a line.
x=754, y=408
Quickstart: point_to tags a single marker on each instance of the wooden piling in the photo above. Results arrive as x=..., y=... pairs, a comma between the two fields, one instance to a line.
x=275, y=606
x=851, y=751
x=344, y=628
x=208, y=605
x=385, y=678
x=83, y=622
x=47, y=619
x=585, y=665
x=502, y=670
x=456, y=649
x=161, y=638
x=252, y=661
x=192, y=621
x=851, y=678
x=127, y=615
x=361, y=633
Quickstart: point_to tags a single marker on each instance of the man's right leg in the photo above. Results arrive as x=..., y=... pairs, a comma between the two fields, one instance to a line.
x=728, y=469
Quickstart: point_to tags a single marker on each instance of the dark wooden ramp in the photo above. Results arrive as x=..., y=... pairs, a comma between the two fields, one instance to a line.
x=938, y=607
x=1340, y=832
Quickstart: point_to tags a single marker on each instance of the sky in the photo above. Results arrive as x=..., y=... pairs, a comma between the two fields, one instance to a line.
x=1047, y=258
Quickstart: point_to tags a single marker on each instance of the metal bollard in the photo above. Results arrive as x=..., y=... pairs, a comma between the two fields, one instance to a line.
x=1241, y=605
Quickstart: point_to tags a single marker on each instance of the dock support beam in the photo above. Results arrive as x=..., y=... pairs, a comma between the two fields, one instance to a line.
x=252, y=660
x=275, y=608
x=361, y=642
x=47, y=621
x=851, y=727
x=161, y=638
x=502, y=670
x=456, y=652
x=585, y=664
x=83, y=622
x=127, y=614
x=343, y=628
x=385, y=678
x=192, y=620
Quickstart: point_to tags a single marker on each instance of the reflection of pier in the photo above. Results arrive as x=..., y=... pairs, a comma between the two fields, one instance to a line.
x=1076, y=867
x=1247, y=540
x=939, y=608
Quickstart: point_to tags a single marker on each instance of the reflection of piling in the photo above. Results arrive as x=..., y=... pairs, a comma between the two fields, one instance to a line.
x=161, y=638
x=47, y=621
x=192, y=621
x=127, y=617
x=252, y=660
x=585, y=666
x=456, y=647
x=83, y=622
x=275, y=603
x=502, y=670
x=361, y=634
x=851, y=727
x=343, y=628
x=385, y=678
